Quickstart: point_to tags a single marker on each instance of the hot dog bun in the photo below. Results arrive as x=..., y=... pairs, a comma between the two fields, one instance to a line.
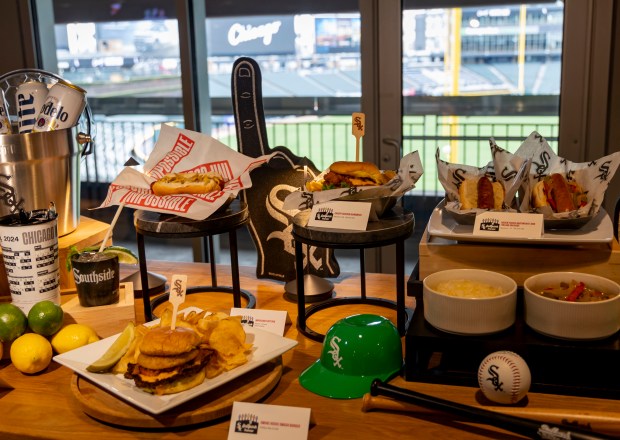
x=188, y=183
x=558, y=193
x=479, y=193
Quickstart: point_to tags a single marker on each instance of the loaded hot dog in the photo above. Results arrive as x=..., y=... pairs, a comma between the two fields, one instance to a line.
x=188, y=183
x=558, y=193
x=482, y=193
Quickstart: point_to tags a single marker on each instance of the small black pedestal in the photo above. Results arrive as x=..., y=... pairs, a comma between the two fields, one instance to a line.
x=393, y=228
x=574, y=368
x=157, y=225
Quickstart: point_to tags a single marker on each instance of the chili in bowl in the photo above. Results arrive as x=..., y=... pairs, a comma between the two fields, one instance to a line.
x=572, y=305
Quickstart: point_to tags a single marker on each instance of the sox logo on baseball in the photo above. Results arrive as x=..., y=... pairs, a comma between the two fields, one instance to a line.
x=504, y=377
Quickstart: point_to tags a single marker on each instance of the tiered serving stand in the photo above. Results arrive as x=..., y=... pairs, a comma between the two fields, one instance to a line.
x=158, y=225
x=392, y=228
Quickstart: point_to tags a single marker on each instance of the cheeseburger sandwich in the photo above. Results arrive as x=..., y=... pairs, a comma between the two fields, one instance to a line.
x=558, y=193
x=170, y=361
x=188, y=183
x=346, y=174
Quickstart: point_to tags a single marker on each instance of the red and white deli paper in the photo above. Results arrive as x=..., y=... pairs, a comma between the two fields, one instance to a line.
x=177, y=151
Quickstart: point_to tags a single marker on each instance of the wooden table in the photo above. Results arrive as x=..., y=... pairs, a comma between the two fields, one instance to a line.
x=42, y=406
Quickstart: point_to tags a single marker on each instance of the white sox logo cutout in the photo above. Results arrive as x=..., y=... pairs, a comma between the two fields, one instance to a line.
x=335, y=351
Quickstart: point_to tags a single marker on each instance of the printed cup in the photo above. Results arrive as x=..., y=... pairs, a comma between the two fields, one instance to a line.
x=96, y=278
x=30, y=254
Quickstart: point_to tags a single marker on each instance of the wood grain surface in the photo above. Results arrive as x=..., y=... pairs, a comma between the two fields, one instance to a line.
x=43, y=405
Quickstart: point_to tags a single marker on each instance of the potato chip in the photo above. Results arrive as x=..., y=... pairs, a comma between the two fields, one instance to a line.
x=237, y=359
x=166, y=316
x=228, y=338
x=190, y=317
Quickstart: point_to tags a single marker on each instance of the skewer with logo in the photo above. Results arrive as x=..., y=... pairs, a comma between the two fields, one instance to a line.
x=178, y=287
x=359, y=123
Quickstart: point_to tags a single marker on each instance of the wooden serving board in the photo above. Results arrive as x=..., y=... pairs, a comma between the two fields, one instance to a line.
x=217, y=403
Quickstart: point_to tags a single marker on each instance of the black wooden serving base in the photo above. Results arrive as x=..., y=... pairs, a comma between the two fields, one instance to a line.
x=577, y=368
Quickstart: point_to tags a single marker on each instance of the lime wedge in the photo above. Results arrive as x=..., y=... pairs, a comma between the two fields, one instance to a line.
x=115, y=352
x=124, y=255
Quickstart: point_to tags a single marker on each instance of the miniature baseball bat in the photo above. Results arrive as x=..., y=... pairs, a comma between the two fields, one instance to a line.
x=532, y=423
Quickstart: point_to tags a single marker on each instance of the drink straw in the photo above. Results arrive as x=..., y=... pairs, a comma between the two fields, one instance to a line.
x=107, y=234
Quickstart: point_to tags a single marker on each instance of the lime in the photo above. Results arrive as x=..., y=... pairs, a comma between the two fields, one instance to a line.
x=31, y=353
x=13, y=322
x=124, y=255
x=45, y=318
x=115, y=352
x=73, y=336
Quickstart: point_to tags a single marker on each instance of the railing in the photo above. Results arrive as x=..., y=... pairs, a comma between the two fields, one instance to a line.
x=327, y=139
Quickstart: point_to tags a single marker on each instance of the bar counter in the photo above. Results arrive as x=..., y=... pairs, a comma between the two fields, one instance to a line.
x=43, y=406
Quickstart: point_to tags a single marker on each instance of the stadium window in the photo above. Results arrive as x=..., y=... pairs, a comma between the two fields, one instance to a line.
x=498, y=75
x=489, y=87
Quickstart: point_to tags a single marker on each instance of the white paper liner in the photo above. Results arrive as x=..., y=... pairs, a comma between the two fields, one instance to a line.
x=509, y=170
x=409, y=171
x=594, y=176
x=520, y=171
x=178, y=150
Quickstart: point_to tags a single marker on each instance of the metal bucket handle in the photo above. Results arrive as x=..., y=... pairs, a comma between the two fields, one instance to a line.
x=84, y=139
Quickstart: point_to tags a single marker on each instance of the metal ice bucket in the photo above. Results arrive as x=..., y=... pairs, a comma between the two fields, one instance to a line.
x=39, y=168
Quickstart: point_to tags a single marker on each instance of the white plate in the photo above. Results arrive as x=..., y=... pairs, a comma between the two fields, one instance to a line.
x=265, y=346
x=598, y=230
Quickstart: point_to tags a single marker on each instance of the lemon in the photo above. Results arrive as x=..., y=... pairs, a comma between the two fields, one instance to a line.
x=116, y=351
x=31, y=353
x=13, y=322
x=73, y=336
x=45, y=318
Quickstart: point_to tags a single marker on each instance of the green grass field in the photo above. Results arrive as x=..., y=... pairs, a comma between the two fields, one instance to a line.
x=327, y=139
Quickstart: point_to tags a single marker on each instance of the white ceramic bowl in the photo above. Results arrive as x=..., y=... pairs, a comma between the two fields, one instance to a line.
x=571, y=320
x=470, y=316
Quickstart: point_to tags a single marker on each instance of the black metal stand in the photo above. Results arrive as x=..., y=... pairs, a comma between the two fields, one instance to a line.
x=394, y=228
x=157, y=225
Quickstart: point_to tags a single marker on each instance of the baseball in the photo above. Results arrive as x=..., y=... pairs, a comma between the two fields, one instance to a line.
x=504, y=377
